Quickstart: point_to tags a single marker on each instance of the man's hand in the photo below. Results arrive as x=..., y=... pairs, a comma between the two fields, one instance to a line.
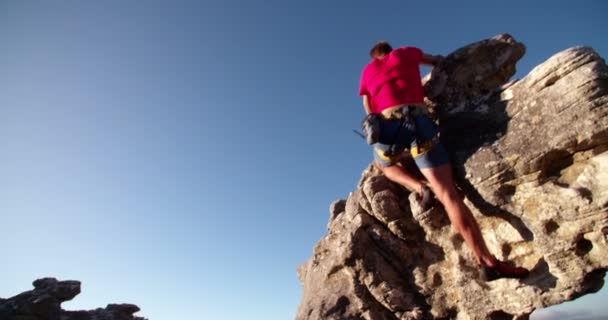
x=431, y=60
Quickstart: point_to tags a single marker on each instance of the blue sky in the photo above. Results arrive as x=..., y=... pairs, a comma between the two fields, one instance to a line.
x=182, y=155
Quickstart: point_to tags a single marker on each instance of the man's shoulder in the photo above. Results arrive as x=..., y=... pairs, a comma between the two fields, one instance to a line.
x=411, y=54
x=369, y=68
x=407, y=49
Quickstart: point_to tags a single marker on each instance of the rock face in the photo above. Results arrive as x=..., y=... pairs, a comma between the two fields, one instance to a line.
x=44, y=303
x=529, y=156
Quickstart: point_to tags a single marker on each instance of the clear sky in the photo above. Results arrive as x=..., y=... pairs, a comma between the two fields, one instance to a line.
x=182, y=155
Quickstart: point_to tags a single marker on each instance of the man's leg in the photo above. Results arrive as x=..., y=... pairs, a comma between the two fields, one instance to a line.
x=397, y=173
x=435, y=166
x=442, y=183
x=392, y=168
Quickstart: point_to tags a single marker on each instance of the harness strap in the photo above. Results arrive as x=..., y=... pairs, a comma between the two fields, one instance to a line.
x=400, y=112
x=406, y=114
x=422, y=148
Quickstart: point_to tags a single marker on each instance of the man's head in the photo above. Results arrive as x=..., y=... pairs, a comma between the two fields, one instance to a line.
x=381, y=49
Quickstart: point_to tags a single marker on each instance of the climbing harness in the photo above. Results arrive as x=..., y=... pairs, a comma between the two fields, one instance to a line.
x=403, y=119
x=371, y=125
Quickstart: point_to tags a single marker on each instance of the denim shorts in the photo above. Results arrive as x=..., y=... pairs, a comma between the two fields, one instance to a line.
x=431, y=153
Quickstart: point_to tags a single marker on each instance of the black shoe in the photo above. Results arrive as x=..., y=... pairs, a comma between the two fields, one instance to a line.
x=503, y=270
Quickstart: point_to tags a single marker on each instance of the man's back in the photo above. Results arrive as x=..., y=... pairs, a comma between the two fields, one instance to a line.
x=393, y=79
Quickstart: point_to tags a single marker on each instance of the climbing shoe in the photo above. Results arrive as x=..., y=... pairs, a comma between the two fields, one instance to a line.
x=503, y=270
x=426, y=199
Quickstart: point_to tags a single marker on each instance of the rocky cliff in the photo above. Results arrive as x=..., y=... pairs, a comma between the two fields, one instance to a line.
x=44, y=303
x=530, y=158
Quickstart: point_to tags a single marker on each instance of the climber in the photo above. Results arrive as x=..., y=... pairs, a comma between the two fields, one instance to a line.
x=393, y=95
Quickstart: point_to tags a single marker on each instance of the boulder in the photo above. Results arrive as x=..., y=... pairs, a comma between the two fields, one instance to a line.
x=531, y=160
x=44, y=303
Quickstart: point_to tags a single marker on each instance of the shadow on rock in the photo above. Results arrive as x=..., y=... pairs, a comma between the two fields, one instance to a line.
x=541, y=277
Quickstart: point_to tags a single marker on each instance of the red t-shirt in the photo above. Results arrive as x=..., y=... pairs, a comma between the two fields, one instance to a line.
x=393, y=79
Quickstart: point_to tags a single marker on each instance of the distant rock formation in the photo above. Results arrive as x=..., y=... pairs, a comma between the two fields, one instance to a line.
x=530, y=157
x=44, y=303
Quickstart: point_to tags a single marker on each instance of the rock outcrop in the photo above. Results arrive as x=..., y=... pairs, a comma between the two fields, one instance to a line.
x=529, y=156
x=44, y=303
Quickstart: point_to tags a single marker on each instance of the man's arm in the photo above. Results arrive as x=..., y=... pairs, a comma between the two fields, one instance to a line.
x=431, y=60
x=366, y=104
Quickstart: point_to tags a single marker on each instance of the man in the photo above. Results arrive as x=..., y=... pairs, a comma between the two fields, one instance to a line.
x=391, y=87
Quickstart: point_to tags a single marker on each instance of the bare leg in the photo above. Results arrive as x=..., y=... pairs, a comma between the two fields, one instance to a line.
x=400, y=175
x=442, y=183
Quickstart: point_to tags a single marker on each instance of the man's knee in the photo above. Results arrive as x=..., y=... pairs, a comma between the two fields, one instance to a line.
x=446, y=193
x=391, y=172
x=388, y=172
